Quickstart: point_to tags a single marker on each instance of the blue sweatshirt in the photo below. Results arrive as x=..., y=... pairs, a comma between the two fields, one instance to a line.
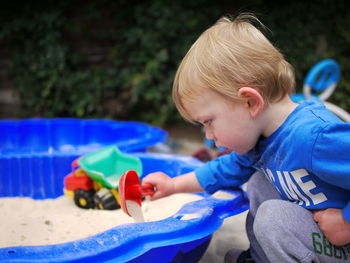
x=307, y=159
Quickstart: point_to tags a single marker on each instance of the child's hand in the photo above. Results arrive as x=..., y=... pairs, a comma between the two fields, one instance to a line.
x=333, y=225
x=164, y=185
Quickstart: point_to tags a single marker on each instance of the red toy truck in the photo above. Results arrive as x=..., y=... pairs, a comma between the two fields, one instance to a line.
x=93, y=182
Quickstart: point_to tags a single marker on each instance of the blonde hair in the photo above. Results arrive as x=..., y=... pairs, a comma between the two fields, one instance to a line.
x=229, y=55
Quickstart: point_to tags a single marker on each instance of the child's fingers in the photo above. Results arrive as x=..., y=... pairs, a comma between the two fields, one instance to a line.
x=317, y=215
x=156, y=195
x=161, y=182
x=153, y=178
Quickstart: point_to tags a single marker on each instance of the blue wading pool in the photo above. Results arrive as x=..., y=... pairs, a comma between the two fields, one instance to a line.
x=36, y=154
x=182, y=237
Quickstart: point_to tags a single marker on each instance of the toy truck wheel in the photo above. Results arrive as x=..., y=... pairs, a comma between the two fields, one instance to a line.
x=104, y=199
x=84, y=199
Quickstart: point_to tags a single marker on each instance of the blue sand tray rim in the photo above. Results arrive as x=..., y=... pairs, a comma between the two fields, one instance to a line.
x=67, y=136
x=127, y=242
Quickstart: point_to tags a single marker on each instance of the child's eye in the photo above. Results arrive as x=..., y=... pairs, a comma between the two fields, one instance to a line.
x=207, y=122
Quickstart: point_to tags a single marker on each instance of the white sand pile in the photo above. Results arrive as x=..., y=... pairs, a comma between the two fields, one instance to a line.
x=26, y=222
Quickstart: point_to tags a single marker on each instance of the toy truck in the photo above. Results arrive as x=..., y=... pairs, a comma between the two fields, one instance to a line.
x=93, y=182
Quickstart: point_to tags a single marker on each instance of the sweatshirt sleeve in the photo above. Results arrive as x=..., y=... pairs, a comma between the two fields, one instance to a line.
x=330, y=159
x=230, y=170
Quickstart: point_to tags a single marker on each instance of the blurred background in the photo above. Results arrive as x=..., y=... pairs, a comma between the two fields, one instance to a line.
x=117, y=58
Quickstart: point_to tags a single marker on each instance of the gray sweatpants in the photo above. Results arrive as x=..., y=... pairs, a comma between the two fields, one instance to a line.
x=282, y=232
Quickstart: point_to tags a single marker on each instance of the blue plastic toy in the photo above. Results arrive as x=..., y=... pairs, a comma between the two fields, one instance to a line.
x=320, y=83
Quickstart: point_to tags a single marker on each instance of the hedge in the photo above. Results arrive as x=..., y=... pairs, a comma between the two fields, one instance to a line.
x=117, y=59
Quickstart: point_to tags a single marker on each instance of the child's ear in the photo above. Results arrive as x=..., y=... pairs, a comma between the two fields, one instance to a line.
x=252, y=100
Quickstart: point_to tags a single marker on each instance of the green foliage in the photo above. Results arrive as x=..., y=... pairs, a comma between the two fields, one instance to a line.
x=117, y=59
x=309, y=31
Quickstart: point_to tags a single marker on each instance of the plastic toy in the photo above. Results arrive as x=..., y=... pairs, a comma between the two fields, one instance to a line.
x=131, y=193
x=210, y=151
x=322, y=79
x=94, y=179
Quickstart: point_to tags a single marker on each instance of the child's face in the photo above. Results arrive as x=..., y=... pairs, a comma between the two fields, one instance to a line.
x=226, y=121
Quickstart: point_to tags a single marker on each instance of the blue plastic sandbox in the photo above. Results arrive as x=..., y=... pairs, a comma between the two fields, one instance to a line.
x=36, y=154
x=169, y=240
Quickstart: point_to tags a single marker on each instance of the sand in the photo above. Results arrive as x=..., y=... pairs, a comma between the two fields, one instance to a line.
x=26, y=222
